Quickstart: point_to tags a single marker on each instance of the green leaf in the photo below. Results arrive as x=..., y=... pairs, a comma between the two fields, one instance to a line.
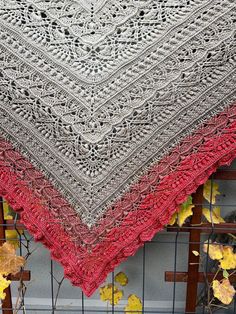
x=188, y=202
x=225, y=274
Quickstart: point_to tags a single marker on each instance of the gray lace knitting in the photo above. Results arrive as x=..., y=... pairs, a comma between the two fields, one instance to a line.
x=95, y=92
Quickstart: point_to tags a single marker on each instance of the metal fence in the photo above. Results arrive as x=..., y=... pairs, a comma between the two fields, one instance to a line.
x=197, y=277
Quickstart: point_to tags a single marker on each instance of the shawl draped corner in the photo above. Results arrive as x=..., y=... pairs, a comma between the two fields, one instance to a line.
x=112, y=113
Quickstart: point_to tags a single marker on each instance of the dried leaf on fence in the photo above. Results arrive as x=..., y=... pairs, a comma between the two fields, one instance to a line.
x=121, y=278
x=213, y=216
x=214, y=250
x=185, y=211
x=223, y=291
x=210, y=191
x=4, y=283
x=6, y=211
x=106, y=294
x=9, y=262
x=134, y=304
x=12, y=236
x=229, y=258
x=173, y=219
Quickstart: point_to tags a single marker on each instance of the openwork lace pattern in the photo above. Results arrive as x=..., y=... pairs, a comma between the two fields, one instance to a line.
x=145, y=209
x=101, y=101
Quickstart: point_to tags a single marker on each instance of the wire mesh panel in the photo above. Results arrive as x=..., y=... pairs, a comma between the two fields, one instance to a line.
x=179, y=271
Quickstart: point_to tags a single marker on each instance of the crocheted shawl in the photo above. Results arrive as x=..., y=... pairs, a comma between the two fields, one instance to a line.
x=112, y=113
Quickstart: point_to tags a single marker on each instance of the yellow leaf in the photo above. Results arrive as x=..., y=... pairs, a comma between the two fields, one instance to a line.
x=214, y=250
x=6, y=211
x=134, y=304
x=121, y=278
x=9, y=262
x=210, y=191
x=185, y=211
x=223, y=291
x=196, y=253
x=229, y=258
x=213, y=216
x=4, y=283
x=12, y=237
x=106, y=294
x=173, y=219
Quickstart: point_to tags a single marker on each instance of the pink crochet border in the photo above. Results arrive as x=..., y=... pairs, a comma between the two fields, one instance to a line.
x=197, y=157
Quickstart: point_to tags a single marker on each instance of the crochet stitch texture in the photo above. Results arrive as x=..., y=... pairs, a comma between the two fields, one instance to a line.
x=112, y=113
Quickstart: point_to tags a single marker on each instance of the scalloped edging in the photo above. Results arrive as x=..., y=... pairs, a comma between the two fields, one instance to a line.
x=88, y=269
